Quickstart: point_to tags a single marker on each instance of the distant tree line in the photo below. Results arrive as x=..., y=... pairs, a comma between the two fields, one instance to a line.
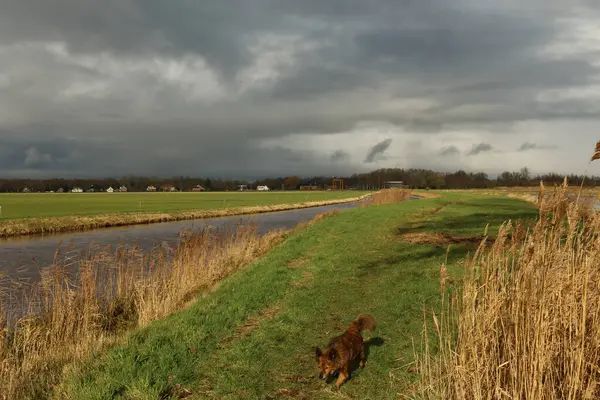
x=424, y=178
x=413, y=178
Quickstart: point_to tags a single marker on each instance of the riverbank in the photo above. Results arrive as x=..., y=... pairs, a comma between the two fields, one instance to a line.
x=62, y=224
x=76, y=315
x=254, y=335
x=71, y=315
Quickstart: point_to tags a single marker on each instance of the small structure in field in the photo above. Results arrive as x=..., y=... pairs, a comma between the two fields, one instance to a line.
x=151, y=188
x=262, y=188
x=167, y=187
x=395, y=184
x=337, y=184
x=198, y=188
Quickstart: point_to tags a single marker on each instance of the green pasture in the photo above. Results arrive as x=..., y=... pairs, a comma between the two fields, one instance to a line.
x=36, y=205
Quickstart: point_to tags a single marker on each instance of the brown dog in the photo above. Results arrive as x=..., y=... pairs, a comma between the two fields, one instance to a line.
x=344, y=348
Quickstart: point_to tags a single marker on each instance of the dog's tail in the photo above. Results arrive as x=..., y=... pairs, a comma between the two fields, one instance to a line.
x=365, y=322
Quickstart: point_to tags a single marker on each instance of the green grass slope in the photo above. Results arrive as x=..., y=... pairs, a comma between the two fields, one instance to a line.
x=254, y=336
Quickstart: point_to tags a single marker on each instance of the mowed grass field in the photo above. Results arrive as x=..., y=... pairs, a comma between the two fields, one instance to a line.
x=43, y=205
x=254, y=336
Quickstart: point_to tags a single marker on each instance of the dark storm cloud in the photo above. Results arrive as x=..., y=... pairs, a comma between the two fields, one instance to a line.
x=214, y=29
x=480, y=148
x=343, y=61
x=535, y=146
x=378, y=149
x=339, y=155
x=449, y=151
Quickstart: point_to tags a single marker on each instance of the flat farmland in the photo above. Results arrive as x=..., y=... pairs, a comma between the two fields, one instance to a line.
x=38, y=205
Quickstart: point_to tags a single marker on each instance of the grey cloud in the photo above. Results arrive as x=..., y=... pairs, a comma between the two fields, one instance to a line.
x=214, y=29
x=378, y=149
x=480, y=148
x=339, y=155
x=535, y=146
x=449, y=151
x=474, y=63
x=89, y=157
x=33, y=157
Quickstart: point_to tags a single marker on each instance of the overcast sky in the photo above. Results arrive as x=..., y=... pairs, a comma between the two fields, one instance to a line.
x=250, y=88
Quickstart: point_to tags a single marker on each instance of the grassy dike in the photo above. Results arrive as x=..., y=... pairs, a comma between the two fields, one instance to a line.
x=254, y=335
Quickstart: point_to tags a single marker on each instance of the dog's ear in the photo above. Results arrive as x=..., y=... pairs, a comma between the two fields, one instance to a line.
x=318, y=352
x=332, y=354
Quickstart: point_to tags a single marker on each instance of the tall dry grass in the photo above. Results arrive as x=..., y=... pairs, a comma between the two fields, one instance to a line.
x=70, y=316
x=386, y=196
x=526, y=322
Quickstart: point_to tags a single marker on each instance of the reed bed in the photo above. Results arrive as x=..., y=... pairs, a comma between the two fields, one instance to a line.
x=387, y=196
x=525, y=322
x=70, y=316
x=52, y=225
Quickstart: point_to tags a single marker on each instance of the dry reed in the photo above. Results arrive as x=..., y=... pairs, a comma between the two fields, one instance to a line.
x=526, y=322
x=386, y=196
x=70, y=316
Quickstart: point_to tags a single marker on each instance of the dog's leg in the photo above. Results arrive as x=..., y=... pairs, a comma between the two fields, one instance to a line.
x=362, y=357
x=342, y=378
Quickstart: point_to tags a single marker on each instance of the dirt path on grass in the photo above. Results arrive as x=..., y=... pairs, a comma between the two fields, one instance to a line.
x=441, y=239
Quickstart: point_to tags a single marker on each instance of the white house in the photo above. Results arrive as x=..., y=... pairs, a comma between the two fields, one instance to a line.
x=110, y=189
x=151, y=188
x=77, y=190
x=262, y=188
x=122, y=189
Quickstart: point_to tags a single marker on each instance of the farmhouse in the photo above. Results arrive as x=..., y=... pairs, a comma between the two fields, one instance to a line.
x=168, y=188
x=122, y=189
x=110, y=189
x=198, y=188
x=77, y=190
x=262, y=188
x=151, y=189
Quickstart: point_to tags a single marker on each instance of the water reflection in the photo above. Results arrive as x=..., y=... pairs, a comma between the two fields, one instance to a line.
x=22, y=258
